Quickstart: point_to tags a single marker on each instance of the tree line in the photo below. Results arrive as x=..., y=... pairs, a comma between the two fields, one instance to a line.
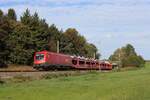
x=127, y=57
x=21, y=37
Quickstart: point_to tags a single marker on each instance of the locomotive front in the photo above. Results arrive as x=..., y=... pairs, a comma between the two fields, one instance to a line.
x=40, y=59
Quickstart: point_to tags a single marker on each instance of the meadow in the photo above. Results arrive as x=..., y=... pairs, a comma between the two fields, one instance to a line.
x=124, y=85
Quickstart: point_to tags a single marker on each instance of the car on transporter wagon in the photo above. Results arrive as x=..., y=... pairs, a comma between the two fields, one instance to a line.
x=45, y=60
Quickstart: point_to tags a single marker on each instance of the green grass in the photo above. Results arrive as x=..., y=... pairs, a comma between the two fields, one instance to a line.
x=126, y=85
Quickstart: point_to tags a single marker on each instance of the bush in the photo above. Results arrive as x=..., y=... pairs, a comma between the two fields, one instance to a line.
x=133, y=61
x=128, y=57
x=50, y=76
x=20, y=78
x=64, y=74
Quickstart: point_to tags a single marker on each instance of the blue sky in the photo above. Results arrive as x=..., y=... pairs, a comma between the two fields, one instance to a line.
x=109, y=24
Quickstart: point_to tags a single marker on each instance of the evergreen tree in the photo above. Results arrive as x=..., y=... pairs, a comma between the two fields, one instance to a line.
x=12, y=14
x=22, y=46
x=26, y=17
x=1, y=13
x=5, y=30
x=38, y=28
x=53, y=37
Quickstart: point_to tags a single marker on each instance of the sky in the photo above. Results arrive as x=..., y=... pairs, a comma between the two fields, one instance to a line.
x=109, y=24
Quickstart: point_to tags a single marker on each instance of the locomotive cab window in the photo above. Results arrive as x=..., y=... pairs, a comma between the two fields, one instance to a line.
x=39, y=56
x=74, y=62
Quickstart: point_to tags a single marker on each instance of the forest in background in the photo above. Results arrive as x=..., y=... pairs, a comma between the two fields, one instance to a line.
x=21, y=37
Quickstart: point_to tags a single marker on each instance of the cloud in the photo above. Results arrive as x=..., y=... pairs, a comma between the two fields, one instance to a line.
x=58, y=3
x=107, y=23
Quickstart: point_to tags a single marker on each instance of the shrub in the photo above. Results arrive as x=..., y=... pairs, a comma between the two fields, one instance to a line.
x=135, y=61
x=127, y=56
x=20, y=78
x=50, y=76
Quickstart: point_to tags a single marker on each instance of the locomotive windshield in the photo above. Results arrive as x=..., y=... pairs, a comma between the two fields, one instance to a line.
x=39, y=56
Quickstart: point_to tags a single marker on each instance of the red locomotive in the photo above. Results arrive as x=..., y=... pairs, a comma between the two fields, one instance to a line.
x=48, y=60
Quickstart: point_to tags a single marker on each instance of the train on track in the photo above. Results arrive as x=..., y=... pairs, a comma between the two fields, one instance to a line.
x=45, y=60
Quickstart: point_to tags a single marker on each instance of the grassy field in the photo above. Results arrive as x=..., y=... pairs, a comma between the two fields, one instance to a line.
x=126, y=85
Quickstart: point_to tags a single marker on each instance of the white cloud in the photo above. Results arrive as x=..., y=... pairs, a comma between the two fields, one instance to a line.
x=107, y=23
